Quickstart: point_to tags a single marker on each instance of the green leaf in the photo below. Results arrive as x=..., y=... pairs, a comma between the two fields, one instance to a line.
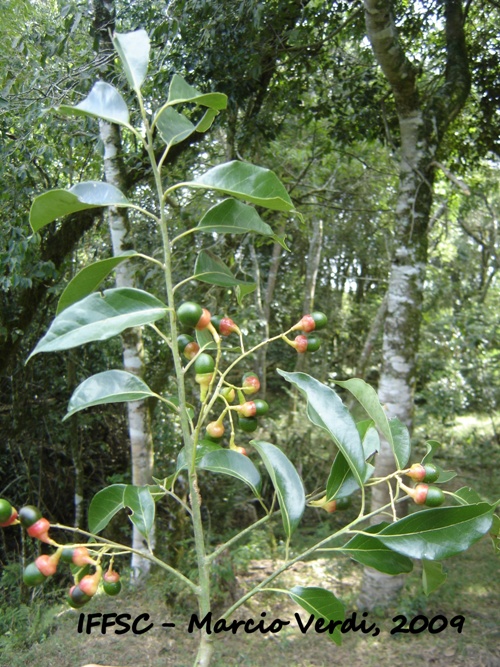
x=244, y=290
x=113, y=386
x=205, y=339
x=229, y=462
x=370, y=551
x=204, y=447
x=210, y=269
x=401, y=442
x=435, y=534
x=181, y=92
x=286, y=482
x=368, y=399
x=326, y=410
x=432, y=447
x=88, y=279
x=173, y=126
x=142, y=504
x=322, y=604
x=467, y=496
x=233, y=217
x=104, y=505
x=103, y=101
x=58, y=203
x=432, y=576
x=206, y=121
x=246, y=181
x=100, y=316
x=133, y=49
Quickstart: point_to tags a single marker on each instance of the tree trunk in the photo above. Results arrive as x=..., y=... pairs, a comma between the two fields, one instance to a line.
x=141, y=440
x=422, y=128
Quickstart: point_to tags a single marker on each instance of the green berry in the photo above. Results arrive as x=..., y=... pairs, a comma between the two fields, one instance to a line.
x=29, y=515
x=247, y=424
x=204, y=364
x=320, y=320
x=313, y=343
x=32, y=575
x=431, y=473
x=434, y=498
x=5, y=510
x=189, y=313
x=77, y=598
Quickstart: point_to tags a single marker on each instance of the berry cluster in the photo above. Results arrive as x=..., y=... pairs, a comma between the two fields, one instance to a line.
x=86, y=584
x=422, y=493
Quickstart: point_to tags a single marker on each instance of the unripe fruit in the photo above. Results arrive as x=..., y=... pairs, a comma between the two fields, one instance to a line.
x=5, y=511
x=204, y=364
x=215, y=429
x=28, y=515
x=254, y=408
x=320, y=320
x=77, y=598
x=247, y=424
x=111, y=583
x=306, y=343
x=189, y=313
x=11, y=519
x=423, y=473
x=40, y=530
x=228, y=393
x=47, y=564
x=188, y=346
x=32, y=575
x=311, y=322
x=430, y=496
x=313, y=343
x=251, y=384
x=241, y=450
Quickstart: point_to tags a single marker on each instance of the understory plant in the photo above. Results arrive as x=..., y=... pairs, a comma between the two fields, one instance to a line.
x=211, y=349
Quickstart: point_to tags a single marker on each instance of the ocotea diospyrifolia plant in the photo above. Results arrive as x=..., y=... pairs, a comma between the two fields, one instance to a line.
x=226, y=405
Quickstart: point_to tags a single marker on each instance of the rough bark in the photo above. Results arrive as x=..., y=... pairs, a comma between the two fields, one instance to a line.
x=141, y=441
x=422, y=127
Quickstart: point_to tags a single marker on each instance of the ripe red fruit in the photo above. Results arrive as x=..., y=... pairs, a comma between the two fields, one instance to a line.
x=81, y=556
x=39, y=530
x=90, y=583
x=47, y=564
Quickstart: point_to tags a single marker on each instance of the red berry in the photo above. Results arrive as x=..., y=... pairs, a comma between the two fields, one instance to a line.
x=40, y=530
x=90, y=583
x=47, y=565
x=300, y=344
x=241, y=450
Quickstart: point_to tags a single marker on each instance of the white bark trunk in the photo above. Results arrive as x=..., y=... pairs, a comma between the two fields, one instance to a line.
x=141, y=441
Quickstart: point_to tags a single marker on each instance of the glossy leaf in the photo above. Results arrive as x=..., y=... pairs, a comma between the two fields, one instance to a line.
x=370, y=551
x=467, y=496
x=322, y=604
x=435, y=534
x=401, y=442
x=133, y=49
x=234, y=217
x=286, y=482
x=246, y=181
x=113, y=386
x=229, y=462
x=444, y=475
x=367, y=397
x=103, y=101
x=181, y=92
x=210, y=269
x=326, y=410
x=58, y=203
x=100, y=316
x=104, y=505
x=89, y=278
x=432, y=576
x=142, y=504
x=203, y=447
